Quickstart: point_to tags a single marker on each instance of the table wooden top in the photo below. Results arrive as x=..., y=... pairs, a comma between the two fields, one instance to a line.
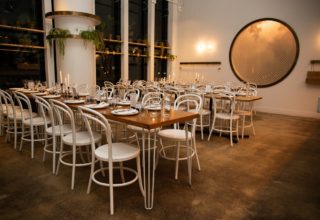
x=146, y=119
x=240, y=98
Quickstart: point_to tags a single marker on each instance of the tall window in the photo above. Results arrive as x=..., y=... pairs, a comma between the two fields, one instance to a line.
x=21, y=42
x=138, y=42
x=109, y=60
x=161, y=39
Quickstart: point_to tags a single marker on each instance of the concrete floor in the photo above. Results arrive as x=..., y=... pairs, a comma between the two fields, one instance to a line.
x=273, y=175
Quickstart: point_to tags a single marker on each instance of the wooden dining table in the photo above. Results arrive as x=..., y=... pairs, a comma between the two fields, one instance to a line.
x=147, y=120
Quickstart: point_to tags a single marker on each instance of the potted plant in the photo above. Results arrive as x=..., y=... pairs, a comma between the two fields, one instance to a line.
x=59, y=35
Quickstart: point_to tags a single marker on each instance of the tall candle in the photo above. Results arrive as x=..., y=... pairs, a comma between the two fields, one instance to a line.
x=60, y=77
x=68, y=79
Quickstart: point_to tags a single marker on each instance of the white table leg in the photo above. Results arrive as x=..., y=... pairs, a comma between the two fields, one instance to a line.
x=148, y=168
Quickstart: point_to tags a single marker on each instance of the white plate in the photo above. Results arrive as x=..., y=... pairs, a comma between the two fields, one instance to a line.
x=124, y=103
x=97, y=106
x=29, y=91
x=241, y=94
x=124, y=112
x=153, y=107
x=17, y=89
x=40, y=93
x=74, y=101
x=51, y=96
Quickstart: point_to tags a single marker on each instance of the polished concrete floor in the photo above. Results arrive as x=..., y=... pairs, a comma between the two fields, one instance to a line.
x=272, y=175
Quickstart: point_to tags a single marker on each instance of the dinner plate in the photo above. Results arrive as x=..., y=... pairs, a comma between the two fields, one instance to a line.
x=40, y=93
x=17, y=89
x=97, y=106
x=29, y=91
x=74, y=101
x=124, y=103
x=153, y=107
x=51, y=96
x=241, y=94
x=125, y=112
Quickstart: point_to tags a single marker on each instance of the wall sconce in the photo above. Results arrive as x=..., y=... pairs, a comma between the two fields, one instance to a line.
x=205, y=47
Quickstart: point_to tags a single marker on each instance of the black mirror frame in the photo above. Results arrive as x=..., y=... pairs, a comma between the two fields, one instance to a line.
x=289, y=70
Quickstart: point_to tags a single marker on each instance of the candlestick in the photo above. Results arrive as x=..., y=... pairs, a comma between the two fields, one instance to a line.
x=60, y=77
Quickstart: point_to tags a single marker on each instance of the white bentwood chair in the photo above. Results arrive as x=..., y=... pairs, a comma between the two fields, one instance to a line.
x=32, y=123
x=54, y=130
x=77, y=140
x=110, y=153
x=193, y=103
x=225, y=120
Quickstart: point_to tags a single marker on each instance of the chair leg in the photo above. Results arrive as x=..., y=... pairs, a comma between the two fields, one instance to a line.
x=177, y=161
x=32, y=141
x=121, y=172
x=231, y=141
x=212, y=127
x=193, y=142
x=74, y=157
x=111, y=187
x=60, y=154
x=243, y=124
x=15, y=135
x=140, y=177
x=54, y=151
x=253, y=130
x=201, y=126
x=90, y=176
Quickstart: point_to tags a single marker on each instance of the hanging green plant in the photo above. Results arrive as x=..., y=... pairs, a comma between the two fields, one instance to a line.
x=171, y=57
x=95, y=36
x=59, y=35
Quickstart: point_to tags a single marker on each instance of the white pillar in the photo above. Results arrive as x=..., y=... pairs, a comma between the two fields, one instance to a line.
x=79, y=60
x=125, y=39
x=151, y=23
x=49, y=59
x=173, y=66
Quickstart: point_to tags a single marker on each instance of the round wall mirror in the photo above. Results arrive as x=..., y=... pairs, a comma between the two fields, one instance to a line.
x=264, y=52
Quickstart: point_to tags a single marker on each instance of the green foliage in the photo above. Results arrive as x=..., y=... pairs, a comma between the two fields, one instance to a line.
x=171, y=57
x=95, y=36
x=59, y=35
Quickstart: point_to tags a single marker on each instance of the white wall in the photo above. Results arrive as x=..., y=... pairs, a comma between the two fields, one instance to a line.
x=217, y=22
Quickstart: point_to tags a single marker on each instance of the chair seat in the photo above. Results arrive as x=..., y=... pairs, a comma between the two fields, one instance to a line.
x=202, y=112
x=36, y=121
x=25, y=115
x=64, y=129
x=120, y=152
x=82, y=138
x=243, y=112
x=174, y=134
x=140, y=129
x=227, y=116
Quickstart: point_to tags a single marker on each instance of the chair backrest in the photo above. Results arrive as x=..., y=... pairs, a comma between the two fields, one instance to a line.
x=188, y=102
x=93, y=118
x=63, y=113
x=45, y=111
x=108, y=84
x=152, y=98
x=224, y=104
x=171, y=93
x=7, y=103
x=108, y=90
x=132, y=91
x=23, y=100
